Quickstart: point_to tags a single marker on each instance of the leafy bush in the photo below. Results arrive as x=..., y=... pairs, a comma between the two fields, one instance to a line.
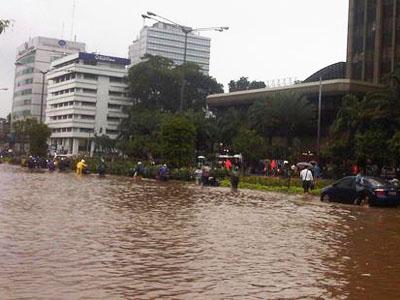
x=184, y=174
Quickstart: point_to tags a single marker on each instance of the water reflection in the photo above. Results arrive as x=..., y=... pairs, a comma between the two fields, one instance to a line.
x=69, y=237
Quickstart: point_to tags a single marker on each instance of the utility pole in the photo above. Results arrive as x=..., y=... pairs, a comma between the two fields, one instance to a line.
x=319, y=119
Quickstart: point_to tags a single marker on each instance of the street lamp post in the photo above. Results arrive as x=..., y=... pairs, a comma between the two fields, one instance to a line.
x=42, y=98
x=319, y=119
x=3, y=89
x=186, y=30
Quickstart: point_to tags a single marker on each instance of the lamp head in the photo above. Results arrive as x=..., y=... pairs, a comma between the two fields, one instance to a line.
x=151, y=14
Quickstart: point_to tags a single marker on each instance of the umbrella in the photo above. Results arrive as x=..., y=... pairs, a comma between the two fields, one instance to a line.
x=304, y=165
x=201, y=157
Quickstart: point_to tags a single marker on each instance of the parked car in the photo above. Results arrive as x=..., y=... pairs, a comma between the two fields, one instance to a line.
x=355, y=190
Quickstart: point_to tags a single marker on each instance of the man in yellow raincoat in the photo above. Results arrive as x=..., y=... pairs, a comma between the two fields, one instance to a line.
x=80, y=166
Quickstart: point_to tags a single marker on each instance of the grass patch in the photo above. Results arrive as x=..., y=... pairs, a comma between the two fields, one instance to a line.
x=271, y=188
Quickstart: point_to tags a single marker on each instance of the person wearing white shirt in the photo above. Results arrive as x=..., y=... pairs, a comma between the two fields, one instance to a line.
x=307, y=177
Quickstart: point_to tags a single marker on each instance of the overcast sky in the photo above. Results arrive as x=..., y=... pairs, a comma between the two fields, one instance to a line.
x=267, y=39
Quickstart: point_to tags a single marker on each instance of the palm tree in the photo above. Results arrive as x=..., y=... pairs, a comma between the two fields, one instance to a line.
x=287, y=115
x=4, y=24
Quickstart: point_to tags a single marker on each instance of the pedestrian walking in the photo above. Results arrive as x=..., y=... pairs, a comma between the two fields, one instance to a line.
x=307, y=179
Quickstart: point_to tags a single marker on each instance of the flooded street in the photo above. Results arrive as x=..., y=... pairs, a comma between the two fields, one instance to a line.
x=69, y=237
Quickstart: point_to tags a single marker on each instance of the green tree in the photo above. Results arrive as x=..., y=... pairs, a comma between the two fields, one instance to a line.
x=197, y=86
x=207, y=132
x=34, y=134
x=156, y=84
x=286, y=115
x=140, y=133
x=244, y=84
x=38, y=135
x=229, y=122
x=153, y=84
x=372, y=145
x=251, y=145
x=178, y=135
x=366, y=129
x=341, y=145
x=104, y=144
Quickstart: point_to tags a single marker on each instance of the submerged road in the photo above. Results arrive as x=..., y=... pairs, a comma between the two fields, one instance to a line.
x=69, y=237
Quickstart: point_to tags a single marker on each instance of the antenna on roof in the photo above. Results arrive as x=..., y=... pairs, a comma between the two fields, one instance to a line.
x=73, y=19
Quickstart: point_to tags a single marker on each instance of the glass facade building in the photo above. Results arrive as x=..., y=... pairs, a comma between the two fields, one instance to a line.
x=373, y=39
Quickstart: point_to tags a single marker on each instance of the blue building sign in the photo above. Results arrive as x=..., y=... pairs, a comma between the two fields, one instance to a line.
x=90, y=57
x=62, y=43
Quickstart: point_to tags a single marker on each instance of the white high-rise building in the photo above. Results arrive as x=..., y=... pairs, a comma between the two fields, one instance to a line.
x=32, y=61
x=87, y=96
x=165, y=40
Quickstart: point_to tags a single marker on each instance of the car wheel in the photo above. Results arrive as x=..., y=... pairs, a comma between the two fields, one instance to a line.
x=325, y=198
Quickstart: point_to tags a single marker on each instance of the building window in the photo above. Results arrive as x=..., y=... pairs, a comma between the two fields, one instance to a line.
x=116, y=94
x=114, y=106
x=91, y=104
x=89, y=76
x=89, y=91
x=87, y=117
x=113, y=119
x=109, y=131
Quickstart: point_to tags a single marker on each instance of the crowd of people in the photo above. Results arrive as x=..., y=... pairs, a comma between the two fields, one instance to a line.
x=204, y=177
x=203, y=173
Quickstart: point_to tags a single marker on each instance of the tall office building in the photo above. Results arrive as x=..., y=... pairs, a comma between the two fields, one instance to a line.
x=87, y=94
x=168, y=41
x=32, y=60
x=373, y=39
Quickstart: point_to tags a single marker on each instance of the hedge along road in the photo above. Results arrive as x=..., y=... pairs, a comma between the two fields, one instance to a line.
x=65, y=236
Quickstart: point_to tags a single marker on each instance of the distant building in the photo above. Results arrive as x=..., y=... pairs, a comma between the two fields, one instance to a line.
x=373, y=39
x=87, y=94
x=33, y=57
x=168, y=41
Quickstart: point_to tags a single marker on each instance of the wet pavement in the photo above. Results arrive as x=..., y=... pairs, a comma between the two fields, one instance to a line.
x=69, y=237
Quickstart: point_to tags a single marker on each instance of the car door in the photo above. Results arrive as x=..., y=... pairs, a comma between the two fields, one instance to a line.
x=345, y=190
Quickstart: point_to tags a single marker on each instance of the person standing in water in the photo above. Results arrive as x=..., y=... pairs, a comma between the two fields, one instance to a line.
x=101, y=168
x=235, y=173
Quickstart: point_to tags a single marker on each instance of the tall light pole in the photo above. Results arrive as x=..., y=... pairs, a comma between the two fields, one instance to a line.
x=319, y=118
x=42, y=98
x=3, y=89
x=186, y=30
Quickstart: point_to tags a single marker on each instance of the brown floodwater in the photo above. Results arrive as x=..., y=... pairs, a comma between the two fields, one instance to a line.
x=69, y=237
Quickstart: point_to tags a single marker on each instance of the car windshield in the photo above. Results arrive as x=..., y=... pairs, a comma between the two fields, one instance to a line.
x=377, y=182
